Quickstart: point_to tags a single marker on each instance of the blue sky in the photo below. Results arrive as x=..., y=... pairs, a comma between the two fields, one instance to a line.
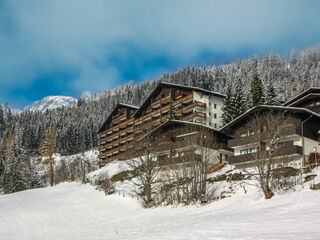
x=69, y=47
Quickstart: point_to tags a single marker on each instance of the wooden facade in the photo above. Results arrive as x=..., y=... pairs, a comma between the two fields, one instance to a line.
x=127, y=124
x=298, y=136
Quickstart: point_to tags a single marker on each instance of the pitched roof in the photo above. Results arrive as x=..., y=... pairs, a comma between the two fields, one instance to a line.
x=266, y=107
x=113, y=111
x=302, y=95
x=166, y=84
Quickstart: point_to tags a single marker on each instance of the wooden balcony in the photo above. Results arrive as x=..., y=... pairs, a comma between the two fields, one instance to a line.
x=116, y=134
x=121, y=139
x=117, y=126
x=112, y=151
x=238, y=141
x=194, y=115
x=281, y=152
x=161, y=100
x=184, y=99
x=118, y=118
x=191, y=106
x=176, y=160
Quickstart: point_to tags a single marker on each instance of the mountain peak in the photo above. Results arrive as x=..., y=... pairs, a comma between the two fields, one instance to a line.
x=50, y=102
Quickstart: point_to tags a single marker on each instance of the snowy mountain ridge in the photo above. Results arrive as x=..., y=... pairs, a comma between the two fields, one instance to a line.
x=50, y=102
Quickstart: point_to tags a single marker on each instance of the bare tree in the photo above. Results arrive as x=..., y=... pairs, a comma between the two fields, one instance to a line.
x=267, y=130
x=48, y=149
x=144, y=162
x=191, y=154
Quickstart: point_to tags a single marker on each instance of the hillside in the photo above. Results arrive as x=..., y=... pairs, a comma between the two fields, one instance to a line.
x=74, y=211
x=77, y=126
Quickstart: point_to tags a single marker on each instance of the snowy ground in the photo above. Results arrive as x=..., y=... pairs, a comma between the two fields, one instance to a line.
x=74, y=211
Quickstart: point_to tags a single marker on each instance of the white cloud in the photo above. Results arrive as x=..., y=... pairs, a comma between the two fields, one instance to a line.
x=41, y=36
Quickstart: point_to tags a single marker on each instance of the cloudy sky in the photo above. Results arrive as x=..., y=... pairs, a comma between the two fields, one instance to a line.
x=71, y=47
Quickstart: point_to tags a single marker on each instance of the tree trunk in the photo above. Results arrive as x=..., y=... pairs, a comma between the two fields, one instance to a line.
x=51, y=174
x=267, y=192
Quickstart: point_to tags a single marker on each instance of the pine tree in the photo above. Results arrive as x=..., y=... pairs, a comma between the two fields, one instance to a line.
x=2, y=122
x=257, y=92
x=172, y=115
x=239, y=105
x=6, y=180
x=227, y=109
x=48, y=150
x=271, y=95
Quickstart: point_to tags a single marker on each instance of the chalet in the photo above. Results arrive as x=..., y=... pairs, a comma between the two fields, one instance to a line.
x=127, y=123
x=176, y=139
x=297, y=138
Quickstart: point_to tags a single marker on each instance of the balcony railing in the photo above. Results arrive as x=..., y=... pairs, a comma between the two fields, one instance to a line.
x=116, y=134
x=116, y=126
x=121, y=139
x=164, y=99
x=112, y=151
x=281, y=152
x=190, y=106
x=194, y=115
x=238, y=141
x=118, y=118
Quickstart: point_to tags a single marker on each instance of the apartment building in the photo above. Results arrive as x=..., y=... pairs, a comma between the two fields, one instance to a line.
x=126, y=123
x=296, y=139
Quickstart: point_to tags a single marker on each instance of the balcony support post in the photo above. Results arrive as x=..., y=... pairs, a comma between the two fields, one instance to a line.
x=303, y=159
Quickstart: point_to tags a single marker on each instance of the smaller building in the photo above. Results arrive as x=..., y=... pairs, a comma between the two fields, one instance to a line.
x=186, y=141
x=296, y=137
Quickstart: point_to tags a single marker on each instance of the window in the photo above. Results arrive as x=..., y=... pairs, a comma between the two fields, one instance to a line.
x=209, y=113
x=290, y=143
x=209, y=123
x=243, y=151
x=215, y=125
x=253, y=150
x=215, y=116
x=215, y=106
x=283, y=144
x=243, y=134
x=247, y=151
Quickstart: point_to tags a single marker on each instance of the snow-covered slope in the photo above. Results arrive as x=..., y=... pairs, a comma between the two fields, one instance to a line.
x=74, y=211
x=50, y=102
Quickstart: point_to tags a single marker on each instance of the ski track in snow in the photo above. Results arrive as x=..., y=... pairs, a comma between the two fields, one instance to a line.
x=74, y=211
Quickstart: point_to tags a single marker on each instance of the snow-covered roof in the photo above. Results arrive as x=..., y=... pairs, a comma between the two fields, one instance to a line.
x=128, y=106
x=265, y=107
x=301, y=95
